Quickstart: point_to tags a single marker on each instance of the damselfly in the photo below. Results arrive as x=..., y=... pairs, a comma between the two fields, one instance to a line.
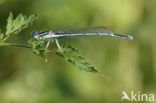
x=100, y=31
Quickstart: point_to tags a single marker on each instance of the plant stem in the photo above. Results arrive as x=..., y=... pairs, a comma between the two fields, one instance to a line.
x=5, y=38
x=15, y=45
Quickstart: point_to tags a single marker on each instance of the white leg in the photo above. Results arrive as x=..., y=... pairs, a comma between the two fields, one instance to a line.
x=38, y=40
x=47, y=44
x=58, y=45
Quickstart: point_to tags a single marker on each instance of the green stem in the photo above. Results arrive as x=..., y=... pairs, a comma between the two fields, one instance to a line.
x=15, y=45
x=5, y=38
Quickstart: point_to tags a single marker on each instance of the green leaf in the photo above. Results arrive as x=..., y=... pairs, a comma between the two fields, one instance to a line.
x=10, y=23
x=80, y=62
x=14, y=26
x=65, y=49
x=69, y=49
x=38, y=48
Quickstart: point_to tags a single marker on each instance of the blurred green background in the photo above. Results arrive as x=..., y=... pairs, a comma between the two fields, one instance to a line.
x=127, y=65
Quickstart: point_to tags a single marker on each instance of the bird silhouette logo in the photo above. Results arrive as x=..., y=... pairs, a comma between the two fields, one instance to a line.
x=125, y=96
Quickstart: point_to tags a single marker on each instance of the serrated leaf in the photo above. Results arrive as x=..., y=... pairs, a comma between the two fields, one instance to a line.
x=10, y=23
x=89, y=69
x=14, y=26
x=43, y=55
x=65, y=49
x=68, y=49
x=38, y=48
x=82, y=64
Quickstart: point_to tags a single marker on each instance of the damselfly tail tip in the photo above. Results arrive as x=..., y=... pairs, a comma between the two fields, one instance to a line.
x=124, y=36
x=130, y=37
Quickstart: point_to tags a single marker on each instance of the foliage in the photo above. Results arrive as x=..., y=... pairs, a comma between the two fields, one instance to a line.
x=21, y=22
x=14, y=26
x=77, y=60
x=71, y=55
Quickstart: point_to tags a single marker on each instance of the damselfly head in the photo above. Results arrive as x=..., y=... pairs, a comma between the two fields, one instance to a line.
x=34, y=34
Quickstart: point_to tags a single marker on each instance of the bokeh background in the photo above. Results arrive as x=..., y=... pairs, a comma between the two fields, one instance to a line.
x=127, y=65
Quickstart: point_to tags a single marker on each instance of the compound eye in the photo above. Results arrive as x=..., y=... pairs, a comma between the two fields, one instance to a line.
x=34, y=31
x=34, y=35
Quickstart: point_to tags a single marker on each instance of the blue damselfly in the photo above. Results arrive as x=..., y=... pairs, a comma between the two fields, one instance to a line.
x=100, y=31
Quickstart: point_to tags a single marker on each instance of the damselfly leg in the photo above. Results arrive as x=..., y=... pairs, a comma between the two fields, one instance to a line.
x=58, y=45
x=47, y=45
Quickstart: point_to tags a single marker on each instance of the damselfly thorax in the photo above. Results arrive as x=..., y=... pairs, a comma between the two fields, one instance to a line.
x=45, y=35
